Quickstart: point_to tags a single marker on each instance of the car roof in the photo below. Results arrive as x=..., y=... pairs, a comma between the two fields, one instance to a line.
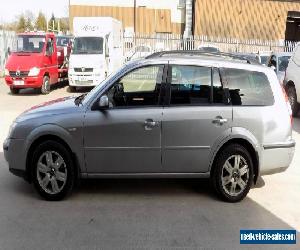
x=201, y=60
x=282, y=53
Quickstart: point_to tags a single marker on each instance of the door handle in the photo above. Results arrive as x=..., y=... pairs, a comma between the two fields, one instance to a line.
x=219, y=120
x=150, y=124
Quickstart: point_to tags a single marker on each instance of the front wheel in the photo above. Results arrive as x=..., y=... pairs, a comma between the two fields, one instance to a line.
x=14, y=91
x=52, y=172
x=45, y=88
x=292, y=95
x=232, y=174
x=72, y=88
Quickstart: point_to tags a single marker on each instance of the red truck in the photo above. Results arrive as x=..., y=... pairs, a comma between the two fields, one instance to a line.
x=34, y=63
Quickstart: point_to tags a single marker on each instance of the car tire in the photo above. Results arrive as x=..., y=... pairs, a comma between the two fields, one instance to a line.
x=72, y=89
x=52, y=171
x=45, y=88
x=292, y=95
x=232, y=173
x=14, y=91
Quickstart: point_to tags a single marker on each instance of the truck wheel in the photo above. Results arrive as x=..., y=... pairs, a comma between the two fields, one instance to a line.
x=292, y=95
x=53, y=172
x=232, y=174
x=45, y=89
x=72, y=88
x=14, y=91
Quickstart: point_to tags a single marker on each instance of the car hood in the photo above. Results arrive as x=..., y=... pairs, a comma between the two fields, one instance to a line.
x=24, y=61
x=86, y=61
x=55, y=107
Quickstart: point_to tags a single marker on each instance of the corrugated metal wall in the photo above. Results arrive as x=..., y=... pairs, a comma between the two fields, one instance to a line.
x=243, y=19
x=148, y=21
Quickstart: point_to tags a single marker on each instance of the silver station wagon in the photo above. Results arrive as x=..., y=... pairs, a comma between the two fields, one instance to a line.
x=179, y=114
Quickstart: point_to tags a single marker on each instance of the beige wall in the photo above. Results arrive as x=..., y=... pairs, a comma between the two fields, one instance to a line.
x=148, y=20
x=244, y=19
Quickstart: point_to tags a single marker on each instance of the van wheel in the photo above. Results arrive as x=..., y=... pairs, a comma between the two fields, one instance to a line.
x=292, y=95
x=14, y=91
x=72, y=89
x=52, y=170
x=45, y=89
x=232, y=174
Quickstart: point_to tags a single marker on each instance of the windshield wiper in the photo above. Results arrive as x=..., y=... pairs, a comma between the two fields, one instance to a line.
x=78, y=100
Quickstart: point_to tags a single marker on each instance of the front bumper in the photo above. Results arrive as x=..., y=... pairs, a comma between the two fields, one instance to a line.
x=28, y=82
x=14, y=154
x=277, y=158
x=85, y=80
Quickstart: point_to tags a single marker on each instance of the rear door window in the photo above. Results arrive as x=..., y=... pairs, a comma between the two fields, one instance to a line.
x=249, y=88
x=195, y=85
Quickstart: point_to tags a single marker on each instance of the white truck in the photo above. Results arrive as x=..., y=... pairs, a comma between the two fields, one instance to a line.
x=97, y=50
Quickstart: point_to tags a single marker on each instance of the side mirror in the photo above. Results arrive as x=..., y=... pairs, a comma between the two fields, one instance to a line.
x=103, y=102
x=8, y=51
x=273, y=67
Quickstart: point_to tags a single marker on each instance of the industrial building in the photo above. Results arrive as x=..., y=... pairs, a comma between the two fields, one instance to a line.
x=241, y=19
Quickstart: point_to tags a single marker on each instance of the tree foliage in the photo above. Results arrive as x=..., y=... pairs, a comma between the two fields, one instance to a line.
x=41, y=22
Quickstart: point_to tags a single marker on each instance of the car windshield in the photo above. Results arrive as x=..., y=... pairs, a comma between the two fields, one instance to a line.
x=283, y=62
x=264, y=60
x=88, y=45
x=62, y=41
x=30, y=43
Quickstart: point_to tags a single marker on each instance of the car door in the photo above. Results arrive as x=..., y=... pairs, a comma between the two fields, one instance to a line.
x=196, y=117
x=50, y=60
x=126, y=137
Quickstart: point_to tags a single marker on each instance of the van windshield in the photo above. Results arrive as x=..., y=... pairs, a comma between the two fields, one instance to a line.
x=88, y=45
x=29, y=43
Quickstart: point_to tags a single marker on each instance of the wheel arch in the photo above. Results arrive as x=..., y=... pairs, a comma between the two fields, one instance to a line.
x=46, y=137
x=246, y=144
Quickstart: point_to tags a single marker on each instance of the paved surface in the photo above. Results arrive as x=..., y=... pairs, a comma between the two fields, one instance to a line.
x=126, y=214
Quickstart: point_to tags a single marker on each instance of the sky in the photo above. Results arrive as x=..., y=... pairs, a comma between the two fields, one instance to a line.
x=11, y=8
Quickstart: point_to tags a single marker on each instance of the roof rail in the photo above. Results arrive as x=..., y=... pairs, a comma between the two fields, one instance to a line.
x=197, y=52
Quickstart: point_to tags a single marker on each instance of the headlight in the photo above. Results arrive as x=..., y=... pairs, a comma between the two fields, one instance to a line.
x=34, y=71
x=11, y=129
x=6, y=72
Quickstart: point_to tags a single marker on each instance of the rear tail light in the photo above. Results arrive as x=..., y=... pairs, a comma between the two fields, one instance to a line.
x=287, y=104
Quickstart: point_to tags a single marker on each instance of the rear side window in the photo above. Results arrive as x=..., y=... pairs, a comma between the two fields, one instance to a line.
x=249, y=88
x=192, y=85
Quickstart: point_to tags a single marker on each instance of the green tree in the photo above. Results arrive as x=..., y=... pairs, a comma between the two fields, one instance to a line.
x=64, y=24
x=52, y=24
x=21, y=26
x=41, y=22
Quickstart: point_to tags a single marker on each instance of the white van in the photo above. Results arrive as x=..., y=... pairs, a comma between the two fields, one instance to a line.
x=97, y=50
x=292, y=80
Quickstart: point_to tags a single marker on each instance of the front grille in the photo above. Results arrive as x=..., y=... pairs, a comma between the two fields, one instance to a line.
x=83, y=69
x=20, y=73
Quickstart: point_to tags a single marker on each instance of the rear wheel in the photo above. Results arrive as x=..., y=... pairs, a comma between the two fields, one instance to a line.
x=52, y=170
x=14, y=91
x=232, y=175
x=292, y=95
x=45, y=89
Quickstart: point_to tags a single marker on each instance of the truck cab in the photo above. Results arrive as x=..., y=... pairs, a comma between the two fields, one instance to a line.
x=97, y=50
x=33, y=63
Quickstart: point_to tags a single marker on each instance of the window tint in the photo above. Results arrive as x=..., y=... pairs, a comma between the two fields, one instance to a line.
x=137, y=88
x=191, y=85
x=249, y=87
x=218, y=93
